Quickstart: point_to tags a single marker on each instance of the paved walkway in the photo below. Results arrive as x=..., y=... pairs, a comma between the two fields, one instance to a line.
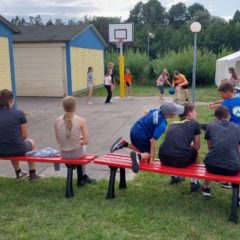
x=106, y=122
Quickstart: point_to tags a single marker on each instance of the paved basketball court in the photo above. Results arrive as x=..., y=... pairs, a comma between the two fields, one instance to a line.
x=106, y=122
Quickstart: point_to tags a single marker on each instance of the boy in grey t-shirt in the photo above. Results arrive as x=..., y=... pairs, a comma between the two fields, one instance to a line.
x=223, y=138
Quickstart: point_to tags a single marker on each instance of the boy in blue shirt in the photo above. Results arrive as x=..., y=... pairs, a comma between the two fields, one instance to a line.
x=226, y=91
x=146, y=131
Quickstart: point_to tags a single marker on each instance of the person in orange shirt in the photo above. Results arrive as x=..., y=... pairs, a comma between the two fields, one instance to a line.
x=128, y=82
x=180, y=82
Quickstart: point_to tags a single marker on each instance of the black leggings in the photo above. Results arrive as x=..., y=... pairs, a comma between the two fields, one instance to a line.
x=221, y=171
x=178, y=161
x=109, y=91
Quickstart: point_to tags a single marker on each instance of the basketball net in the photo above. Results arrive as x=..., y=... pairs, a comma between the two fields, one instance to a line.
x=119, y=42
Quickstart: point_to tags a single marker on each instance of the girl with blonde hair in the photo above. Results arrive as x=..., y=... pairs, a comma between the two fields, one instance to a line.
x=72, y=134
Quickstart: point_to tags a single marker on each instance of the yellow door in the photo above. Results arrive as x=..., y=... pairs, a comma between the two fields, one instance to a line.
x=5, y=69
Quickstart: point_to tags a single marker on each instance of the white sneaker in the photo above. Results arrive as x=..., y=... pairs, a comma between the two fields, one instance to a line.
x=111, y=100
x=90, y=103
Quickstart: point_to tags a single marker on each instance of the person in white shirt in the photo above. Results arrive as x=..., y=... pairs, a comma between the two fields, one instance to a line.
x=107, y=85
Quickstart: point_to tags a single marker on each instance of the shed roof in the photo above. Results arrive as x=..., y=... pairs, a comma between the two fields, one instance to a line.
x=52, y=33
x=8, y=24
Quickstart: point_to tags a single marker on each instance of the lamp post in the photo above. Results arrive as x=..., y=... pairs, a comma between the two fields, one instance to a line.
x=150, y=35
x=195, y=28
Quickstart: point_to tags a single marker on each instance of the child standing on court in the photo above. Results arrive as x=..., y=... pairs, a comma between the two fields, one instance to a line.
x=223, y=139
x=90, y=84
x=160, y=83
x=72, y=133
x=107, y=85
x=146, y=131
x=182, y=143
x=128, y=82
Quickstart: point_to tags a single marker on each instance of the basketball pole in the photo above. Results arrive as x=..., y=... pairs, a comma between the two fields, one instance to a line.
x=121, y=71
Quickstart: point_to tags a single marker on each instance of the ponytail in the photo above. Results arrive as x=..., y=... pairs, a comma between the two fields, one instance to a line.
x=68, y=124
x=69, y=106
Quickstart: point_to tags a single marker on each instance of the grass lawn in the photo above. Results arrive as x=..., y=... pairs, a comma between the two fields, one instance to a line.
x=203, y=94
x=149, y=208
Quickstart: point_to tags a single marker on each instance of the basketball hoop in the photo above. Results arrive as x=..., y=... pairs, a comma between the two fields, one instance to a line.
x=119, y=42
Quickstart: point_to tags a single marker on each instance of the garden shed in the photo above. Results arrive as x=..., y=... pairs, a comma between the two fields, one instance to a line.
x=222, y=65
x=52, y=61
x=7, y=76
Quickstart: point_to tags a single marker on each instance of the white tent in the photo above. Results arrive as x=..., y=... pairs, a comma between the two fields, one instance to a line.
x=222, y=65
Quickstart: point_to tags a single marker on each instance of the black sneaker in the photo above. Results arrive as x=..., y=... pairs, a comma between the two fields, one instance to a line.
x=176, y=180
x=195, y=187
x=135, y=161
x=225, y=185
x=206, y=191
x=86, y=180
x=120, y=143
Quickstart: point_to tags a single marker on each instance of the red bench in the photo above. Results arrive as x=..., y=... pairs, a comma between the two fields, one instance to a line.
x=115, y=161
x=70, y=165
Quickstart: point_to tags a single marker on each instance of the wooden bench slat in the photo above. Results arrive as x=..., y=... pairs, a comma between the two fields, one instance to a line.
x=194, y=170
x=83, y=160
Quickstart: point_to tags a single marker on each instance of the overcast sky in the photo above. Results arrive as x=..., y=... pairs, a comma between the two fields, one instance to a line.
x=76, y=9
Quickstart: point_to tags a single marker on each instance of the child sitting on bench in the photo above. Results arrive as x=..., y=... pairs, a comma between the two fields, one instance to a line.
x=13, y=132
x=223, y=139
x=146, y=131
x=182, y=143
x=71, y=134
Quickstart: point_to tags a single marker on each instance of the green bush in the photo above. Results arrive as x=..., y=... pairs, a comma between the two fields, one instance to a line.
x=138, y=64
x=145, y=71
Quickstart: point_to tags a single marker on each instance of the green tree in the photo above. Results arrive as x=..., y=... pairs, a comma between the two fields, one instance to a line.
x=136, y=15
x=177, y=14
x=193, y=9
x=49, y=22
x=101, y=23
x=58, y=22
x=236, y=17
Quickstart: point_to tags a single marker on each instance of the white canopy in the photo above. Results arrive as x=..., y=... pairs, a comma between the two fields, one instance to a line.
x=222, y=65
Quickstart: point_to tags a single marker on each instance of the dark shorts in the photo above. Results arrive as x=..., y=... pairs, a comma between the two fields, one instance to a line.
x=128, y=84
x=178, y=161
x=183, y=87
x=161, y=89
x=142, y=145
x=221, y=171
x=19, y=151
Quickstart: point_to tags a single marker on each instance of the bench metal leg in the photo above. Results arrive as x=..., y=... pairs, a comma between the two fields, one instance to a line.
x=122, y=183
x=235, y=196
x=79, y=175
x=110, y=193
x=69, y=188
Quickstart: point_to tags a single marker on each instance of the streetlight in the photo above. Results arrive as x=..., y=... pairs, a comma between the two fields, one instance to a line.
x=150, y=35
x=195, y=28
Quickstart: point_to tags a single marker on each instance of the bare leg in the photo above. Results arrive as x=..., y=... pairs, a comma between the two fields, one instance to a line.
x=186, y=93
x=32, y=165
x=178, y=88
x=90, y=91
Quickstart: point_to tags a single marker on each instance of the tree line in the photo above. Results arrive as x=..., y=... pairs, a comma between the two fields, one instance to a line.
x=171, y=28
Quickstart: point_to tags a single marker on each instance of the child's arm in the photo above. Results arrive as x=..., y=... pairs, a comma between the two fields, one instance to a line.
x=216, y=104
x=152, y=150
x=84, y=128
x=196, y=145
x=56, y=135
x=168, y=82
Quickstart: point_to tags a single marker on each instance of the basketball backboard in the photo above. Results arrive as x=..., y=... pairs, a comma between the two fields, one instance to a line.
x=123, y=31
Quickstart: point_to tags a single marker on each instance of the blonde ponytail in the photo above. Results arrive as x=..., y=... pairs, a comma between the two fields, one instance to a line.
x=69, y=106
x=68, y=124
